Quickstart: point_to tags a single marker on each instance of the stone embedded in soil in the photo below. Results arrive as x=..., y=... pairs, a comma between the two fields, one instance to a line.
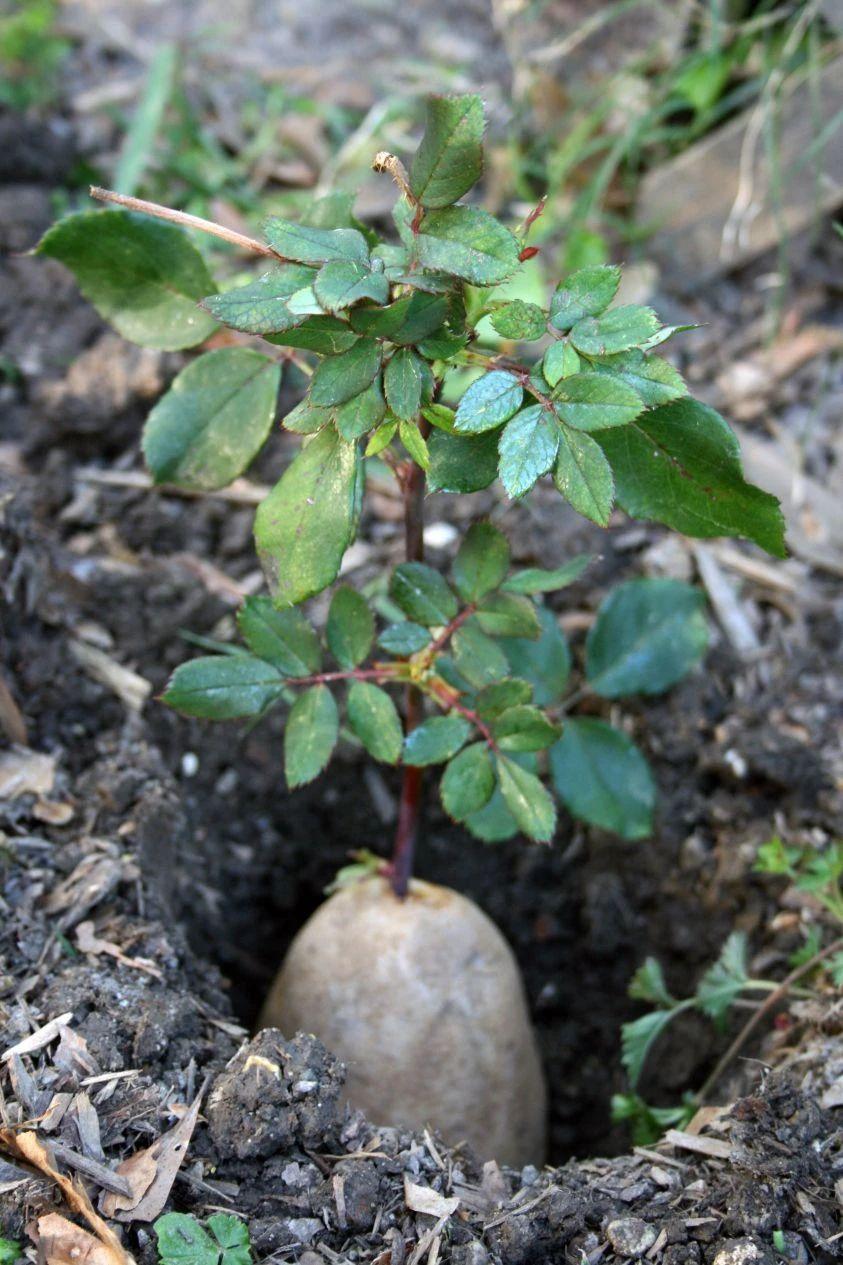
x=743, y=1252
x=631, y=1237
x=423, y=1001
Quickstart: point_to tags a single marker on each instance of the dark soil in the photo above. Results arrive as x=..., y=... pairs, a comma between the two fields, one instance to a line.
x=185, y=850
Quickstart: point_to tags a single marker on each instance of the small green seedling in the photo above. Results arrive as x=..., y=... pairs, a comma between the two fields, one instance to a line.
x=10, y=1251
x=182, y=1240
x=422, y=358
x=722, y=985
x=820, y=873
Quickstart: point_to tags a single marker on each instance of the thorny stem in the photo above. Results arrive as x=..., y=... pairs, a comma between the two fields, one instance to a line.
x=763, y=1010
x=187, y=221
x=409, y=808
x=380, y=672
x=448, y=698
x=448, y=632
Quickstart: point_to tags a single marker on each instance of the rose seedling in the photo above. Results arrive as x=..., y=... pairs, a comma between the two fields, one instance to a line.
x=421, y=357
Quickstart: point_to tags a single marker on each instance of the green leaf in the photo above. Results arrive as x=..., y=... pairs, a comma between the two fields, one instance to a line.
x=654, y=379
x=341, y=283
x=338, y=378
x=647, y=1124
x=261, y=307
x=183, y=1241
x=663, y=334
x=585, y=293
x=594, y=401
x=305, y=244
x=615, y=330
x=527, y=800
x=144, y=277
x=637, y=1039
x=524, y=322
x=468, y=782
x=536, y=580
x=493, y=823
x=648, y=634
x=440, y=416
x=680, y=465
x=404, y=639
x=524, y=728
x=223, y=687
x=480, y=660
x=449, y=159
x=213, y=420
x=310, y=736
x=648, y=984
x=408, y=320
x=361, y=413
x=382, y=437
x=584, y=477
x=324, y=334
x=372, y=716
x=422, y=594
x=602, y=777
x=350, y=629
x=443, y=345
x=545, y=663
x=775, y=858
x=560, y=361
x=436, y=740
x=233, y=1237
x=723, y=982
x=307, y=418
x=467, y=243
x=10, y=1251
x=488, y=402
x=481, y=562
x=402, y=380
x=508, y=615
x=333, y=210
x=304, y=526
x=413, y=440
x=462, y=463
x=496, y=698
x=283, y=638
x=527, y=448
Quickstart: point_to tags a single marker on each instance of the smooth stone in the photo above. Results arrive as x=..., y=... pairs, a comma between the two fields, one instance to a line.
x=422, y=1000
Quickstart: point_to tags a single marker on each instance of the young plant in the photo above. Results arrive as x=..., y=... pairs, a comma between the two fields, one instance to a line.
x=409, y=347
x=820, y=873
x=182, y=1240
x=723, y=984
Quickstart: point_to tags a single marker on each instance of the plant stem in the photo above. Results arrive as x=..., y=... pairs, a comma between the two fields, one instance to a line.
x=764, y=1009
x=185, y=220
x=409, y=809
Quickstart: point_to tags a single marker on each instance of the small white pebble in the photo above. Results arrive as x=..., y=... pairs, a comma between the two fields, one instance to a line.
x=736, y=762
x=190, y=764
x=440, y=535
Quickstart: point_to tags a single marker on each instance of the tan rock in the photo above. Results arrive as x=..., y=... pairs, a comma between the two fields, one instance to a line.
x=423, y=1001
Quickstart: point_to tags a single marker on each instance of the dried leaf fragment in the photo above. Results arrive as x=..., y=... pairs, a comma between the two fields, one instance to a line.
x=151, y=1172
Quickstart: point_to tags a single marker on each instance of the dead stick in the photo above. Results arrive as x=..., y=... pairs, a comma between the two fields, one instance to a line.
x=186, y=221
x=774, y=998
x=91, y=1168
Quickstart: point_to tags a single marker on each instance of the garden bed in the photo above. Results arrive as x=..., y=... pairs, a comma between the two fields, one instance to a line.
x=176, y=846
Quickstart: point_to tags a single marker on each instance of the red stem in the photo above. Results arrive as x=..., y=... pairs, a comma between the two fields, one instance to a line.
x=409, y=809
